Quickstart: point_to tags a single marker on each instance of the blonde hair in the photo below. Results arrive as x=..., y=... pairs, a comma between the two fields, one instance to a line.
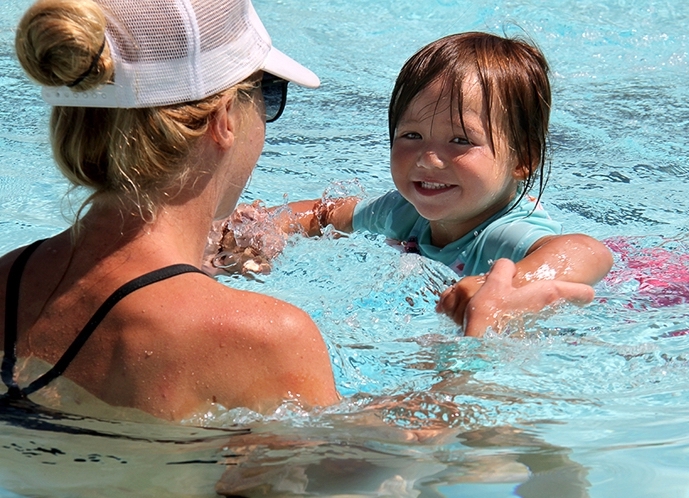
x=132, y=155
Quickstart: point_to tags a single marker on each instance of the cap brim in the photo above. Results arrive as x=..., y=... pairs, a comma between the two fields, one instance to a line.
x=283, y=66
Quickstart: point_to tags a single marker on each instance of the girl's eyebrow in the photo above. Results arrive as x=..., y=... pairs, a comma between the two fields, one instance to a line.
x=417, y=119
x=414, y=120
x=466, y=128
x=469, y=126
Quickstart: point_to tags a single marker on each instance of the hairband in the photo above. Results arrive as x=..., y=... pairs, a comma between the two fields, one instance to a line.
x=94, y=62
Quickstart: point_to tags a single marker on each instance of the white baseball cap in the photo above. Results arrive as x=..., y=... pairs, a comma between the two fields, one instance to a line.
x=172, y=51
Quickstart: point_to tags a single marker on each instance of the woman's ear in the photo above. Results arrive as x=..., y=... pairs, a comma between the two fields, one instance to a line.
x=223, y=125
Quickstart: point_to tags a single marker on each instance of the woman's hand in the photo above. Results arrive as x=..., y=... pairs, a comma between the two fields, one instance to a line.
x=251, y=238
x=254, y=235
x=454, y=300
x=498, y=300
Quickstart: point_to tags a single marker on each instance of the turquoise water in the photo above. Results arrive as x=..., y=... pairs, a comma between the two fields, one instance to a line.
x=585, y=402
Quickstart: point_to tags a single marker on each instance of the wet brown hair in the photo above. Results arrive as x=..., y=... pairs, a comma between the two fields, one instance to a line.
x=513, y=77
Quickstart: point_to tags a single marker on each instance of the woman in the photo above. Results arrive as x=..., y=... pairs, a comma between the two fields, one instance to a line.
x=160, y=111
x=183, y=128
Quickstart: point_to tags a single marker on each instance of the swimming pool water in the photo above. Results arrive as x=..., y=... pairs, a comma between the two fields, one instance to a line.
x=584, y=402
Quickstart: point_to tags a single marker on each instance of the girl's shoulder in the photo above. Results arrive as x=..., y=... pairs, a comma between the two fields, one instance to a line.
x=389, y=214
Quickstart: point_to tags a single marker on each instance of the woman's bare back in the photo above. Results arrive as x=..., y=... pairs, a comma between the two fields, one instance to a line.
x=172, y=347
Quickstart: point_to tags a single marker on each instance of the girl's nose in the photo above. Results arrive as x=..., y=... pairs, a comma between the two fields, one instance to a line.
x=429, y=159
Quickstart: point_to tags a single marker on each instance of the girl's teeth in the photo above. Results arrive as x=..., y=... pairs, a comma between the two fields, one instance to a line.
x=434, y=186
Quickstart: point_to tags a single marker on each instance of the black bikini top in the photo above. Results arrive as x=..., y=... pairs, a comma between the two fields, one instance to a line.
x=11, y=315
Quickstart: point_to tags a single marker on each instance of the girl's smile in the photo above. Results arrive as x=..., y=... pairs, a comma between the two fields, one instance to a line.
x=430, y=188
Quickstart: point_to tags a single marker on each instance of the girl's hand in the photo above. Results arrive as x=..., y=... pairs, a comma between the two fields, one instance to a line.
x=498, y=300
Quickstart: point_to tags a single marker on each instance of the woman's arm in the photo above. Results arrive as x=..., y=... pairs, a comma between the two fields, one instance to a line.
x=498, y=299
x=575, y=258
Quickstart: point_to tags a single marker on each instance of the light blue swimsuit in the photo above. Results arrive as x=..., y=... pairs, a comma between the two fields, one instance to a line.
x=505, y=235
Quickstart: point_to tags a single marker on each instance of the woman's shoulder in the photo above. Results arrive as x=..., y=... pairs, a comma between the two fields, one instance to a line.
x=256, y=350
x=219, y=305
x=211, y=313
x=6, y=262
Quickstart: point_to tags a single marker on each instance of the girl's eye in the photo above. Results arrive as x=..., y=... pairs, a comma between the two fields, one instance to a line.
x=460, y=141
x=412, y=135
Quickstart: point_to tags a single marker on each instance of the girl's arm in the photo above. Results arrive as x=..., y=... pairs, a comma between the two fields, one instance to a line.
x=253, y=234
x=575, y=258
x=571, y=258
x=314, y=215
x=309, y=217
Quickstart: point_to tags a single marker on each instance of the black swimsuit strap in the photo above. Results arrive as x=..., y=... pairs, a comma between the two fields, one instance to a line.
x=62, y=364
x=11, y=313
x=126, y=289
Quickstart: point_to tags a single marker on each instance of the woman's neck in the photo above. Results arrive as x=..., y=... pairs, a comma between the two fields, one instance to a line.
x=175, y=234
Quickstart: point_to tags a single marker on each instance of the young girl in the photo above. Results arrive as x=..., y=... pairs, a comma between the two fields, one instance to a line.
x=468, y=123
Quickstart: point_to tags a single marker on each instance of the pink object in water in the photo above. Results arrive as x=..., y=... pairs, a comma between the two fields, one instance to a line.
x=662, y=274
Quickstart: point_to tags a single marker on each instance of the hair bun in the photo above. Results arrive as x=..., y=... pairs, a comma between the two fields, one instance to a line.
x=62, y=43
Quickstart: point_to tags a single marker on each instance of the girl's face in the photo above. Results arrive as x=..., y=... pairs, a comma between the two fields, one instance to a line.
x=452, y=176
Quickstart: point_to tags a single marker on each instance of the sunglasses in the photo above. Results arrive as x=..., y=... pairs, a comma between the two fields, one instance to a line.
x=274, y=91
